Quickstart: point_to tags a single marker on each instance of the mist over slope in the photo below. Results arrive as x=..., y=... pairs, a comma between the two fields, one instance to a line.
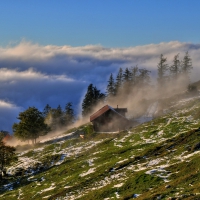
x=34, y=75
x=155, y=160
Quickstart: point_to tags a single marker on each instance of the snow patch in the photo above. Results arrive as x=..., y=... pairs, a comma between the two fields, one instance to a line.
x=160, y=133
x=183, y=158
x=62, y=158
x=90, y=171
x=117, y=195
x=118, y=185
x=121, y=161
x=160, y=172
x=118, y=145
x=46, y=197
x=47, y=189
x=23, y=163
x=169, y=121
x=38, y=149
x=154, y=162
x=136, y=195
x=90, y=161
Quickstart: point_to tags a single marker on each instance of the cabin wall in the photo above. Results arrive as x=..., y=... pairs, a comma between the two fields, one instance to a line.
x=109, y=122
x=121, y=111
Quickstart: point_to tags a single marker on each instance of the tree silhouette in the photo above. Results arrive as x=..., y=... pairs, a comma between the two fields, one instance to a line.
x=31, y=125
x=92, y=97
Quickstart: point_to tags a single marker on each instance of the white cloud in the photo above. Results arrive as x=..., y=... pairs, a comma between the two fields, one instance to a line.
x=4, y=104
x=29, y=74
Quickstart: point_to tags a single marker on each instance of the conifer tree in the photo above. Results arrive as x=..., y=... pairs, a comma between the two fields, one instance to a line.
x=98, y=96
x=127, y=76
x=69, y=114
x=58, y=120
x=144, y=77
x=119, y=81
x=186, y=66
x=92, y=97
x=175, y=67
x=46, y=110
x=110, y=87
x=134, y=75
x=88, y=101
x=162, y=69
x=59, y=111
x=127, y=80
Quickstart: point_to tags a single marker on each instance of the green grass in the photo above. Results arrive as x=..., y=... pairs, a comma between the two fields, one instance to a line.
x=115, y=165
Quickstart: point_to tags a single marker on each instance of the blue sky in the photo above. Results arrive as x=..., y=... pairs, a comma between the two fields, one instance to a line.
x=110, y=23
x=50, y=51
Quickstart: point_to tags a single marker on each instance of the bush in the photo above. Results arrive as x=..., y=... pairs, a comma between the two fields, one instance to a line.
x=88, y=130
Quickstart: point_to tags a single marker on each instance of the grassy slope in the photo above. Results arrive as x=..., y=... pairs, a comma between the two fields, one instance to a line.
x=155, y=160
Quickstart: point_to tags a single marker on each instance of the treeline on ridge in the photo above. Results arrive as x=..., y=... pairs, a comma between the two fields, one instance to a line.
x=136, y=82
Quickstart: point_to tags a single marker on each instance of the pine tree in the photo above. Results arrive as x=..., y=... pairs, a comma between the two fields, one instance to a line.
x=59, y=111
x=175, y=67
x=110, y=87
x=92, y=97
x=98, y=96
x=88, y=100
x=127, y=80
x=144, y=77
x=69, y=114
x=134, y=75
x=127, y=76
x=186, y=66
x=46, y=110
x=119, y=81
x=58, y=120
x=162, y=69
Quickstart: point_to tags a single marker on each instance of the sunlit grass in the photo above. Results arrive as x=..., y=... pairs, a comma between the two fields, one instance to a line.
x=115, y=165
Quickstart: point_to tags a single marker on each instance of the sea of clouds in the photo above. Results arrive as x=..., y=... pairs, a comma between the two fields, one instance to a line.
x=34, y=75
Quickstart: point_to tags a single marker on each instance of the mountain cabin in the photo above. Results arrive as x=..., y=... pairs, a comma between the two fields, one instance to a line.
x=109, y=119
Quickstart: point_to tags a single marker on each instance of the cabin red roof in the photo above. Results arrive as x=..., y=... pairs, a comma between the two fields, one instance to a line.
x=99, y=112
x=105, y=109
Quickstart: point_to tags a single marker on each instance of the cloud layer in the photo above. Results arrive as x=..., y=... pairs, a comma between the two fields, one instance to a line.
x=34, y=75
